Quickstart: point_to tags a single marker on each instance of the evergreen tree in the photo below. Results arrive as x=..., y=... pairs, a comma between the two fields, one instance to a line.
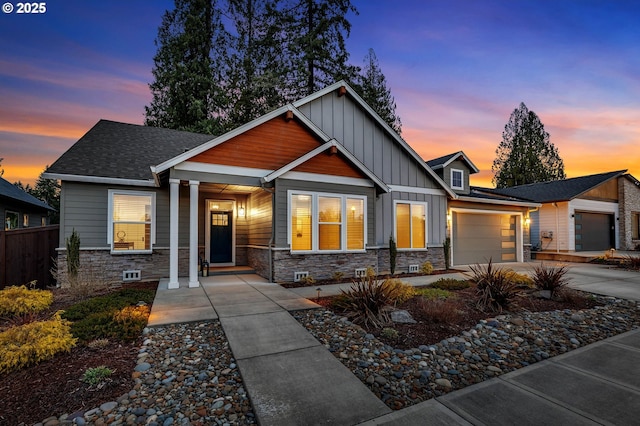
x=189, y=69
x=48, y=190
x=372, y=87
x=254, y=60
x=525, y=155
x=316, y=55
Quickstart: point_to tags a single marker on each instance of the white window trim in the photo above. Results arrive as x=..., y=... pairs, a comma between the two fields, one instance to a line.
x=113, y=192
x=426, y=223
x=461, y=187
x=315, y=221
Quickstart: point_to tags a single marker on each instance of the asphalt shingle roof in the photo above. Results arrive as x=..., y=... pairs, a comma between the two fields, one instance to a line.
x=441, y=160
x=557, y=190
x=124, y=151
x=9, y=190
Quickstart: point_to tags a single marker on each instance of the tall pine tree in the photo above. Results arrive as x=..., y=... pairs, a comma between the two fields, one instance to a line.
x=526, y=154
x=189, y=69
x=372, y=87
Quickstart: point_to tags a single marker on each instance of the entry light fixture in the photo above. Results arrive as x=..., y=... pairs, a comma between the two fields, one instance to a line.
x=241, y=211
x=527, y=221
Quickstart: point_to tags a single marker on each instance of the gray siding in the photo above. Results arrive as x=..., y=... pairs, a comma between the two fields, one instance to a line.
x=458, y=165
x=344, y=120
x=281, y=213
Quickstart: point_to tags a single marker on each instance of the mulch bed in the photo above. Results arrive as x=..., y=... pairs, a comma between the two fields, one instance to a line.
x=54, y=387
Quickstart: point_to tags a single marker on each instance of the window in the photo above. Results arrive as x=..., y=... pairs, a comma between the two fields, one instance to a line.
x=411, y=225
x=11, y=220
x=635, y=226
x=132, y=221
x=326, y=222
x=25, y=220
x=457, y=179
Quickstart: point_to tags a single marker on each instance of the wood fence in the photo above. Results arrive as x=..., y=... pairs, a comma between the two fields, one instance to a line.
x=28, y=254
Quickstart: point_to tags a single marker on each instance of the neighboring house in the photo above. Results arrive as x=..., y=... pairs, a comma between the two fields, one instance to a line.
x=315, y=187
x=482, y=226
x=20, y=209
x=587, y=213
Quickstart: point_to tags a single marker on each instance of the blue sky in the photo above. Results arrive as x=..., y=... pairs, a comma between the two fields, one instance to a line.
x=457, y=69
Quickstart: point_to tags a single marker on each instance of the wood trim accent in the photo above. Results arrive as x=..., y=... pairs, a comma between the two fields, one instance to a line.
x=270, y=146
x=288, y=116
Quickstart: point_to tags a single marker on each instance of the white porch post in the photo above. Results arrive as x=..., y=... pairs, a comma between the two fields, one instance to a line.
x=193, y=233
x=174, y=201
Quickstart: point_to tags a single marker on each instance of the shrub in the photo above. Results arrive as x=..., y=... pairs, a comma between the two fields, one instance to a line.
x=19, y=300
x=520, y=280
x=115, y=300
x=439, y=310
x=338, y=276
x=34, y=342
x=446, y=245
x=389, y=333
x=426, y=268
x=98, y=343
x=73, y=254
x=494, y=288
x=393, y=254
x=632, y=262
x=451, y=284
x=551, y=278
x=370, y=272
x=90, y=279
x=368, y=300
x=307, y=280
x=402, y=291
x=96, y=375
x=434, y=293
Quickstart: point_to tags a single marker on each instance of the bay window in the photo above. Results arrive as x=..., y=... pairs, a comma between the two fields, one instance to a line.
x=411, y=225
x=131, y=221
x=326, y=222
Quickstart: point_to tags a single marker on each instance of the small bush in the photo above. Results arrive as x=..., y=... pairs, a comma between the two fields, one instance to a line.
x=426, y=268
x=19, y=300
x=451, y=284
x=96, y=375
x=551, y=278
x=338, y=276
x=389, y=333
x=439, y=310
x=116, y=300
x=368, y=300
x=632, y=262
x=34, y=342
x=520, y=280
x=494, y=288
x=98, y=343
x=402, y=291
x=308, y=280
x=434, y=293
x=371, y=272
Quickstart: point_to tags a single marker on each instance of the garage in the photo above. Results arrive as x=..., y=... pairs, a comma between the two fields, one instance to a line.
x=478, y=237
x=594, y=231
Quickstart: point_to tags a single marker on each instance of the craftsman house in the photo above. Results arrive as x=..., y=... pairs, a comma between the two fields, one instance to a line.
x=313, y=188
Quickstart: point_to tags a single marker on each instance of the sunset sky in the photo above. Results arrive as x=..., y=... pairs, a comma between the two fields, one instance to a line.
x=457, y=69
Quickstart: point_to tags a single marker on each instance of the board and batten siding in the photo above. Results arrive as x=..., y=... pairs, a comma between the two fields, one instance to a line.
x=281, y=213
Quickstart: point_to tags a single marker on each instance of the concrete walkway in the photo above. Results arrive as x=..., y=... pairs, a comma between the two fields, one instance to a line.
x=293, y=380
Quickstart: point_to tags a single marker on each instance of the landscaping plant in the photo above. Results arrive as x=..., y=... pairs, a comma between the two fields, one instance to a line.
x=494, y=288
x=632, y=262
x=451, y=284
x=73, y=255
x=393, y=254
x=426, y=268
x=550, y=278
x=446, y=245
x=431, y=293
x=96, y=375
x=19, y=300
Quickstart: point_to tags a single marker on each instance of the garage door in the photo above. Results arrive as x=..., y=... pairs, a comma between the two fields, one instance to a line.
x=480, y=237
x=594, y=231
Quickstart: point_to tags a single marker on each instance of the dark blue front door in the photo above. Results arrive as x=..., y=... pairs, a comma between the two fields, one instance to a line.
x=221, y=237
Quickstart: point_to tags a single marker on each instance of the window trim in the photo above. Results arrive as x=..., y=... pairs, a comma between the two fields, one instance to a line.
x=110, y=241
x=426, y=224
x=452, y=171
x=315, y=225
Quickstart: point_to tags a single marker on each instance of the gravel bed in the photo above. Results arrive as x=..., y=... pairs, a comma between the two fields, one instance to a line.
x=495, y=346
x=186, y=373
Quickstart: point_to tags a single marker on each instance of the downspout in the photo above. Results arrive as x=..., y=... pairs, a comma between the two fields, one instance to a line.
x=557, y=229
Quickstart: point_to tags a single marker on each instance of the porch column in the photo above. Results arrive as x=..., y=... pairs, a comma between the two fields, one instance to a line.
x=174, y=201
x=193, y=233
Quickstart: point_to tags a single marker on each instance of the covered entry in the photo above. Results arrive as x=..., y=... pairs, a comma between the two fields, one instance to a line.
x=478, y=237
x=594, y=231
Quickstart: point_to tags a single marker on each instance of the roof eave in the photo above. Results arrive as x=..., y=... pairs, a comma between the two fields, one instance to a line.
x=100, y=179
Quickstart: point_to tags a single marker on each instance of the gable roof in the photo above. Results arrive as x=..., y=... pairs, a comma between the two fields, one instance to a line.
x=557, y=190
x=445, y=160
x=113, y=152
x=395, y=136
x=12, y=192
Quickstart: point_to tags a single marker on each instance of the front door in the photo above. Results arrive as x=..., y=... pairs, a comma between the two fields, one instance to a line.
x=221, y=242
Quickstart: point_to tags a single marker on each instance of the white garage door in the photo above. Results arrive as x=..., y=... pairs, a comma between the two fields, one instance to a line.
x=480, y=237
